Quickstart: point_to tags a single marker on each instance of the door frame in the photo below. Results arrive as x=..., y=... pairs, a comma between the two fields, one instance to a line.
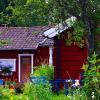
x=19, y=64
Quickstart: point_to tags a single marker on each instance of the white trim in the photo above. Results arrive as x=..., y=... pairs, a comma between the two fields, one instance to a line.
x=32, y=64
x=18, y=68
x=50, y=55
x=25, y=54
x=19, y=71
x=7, y=59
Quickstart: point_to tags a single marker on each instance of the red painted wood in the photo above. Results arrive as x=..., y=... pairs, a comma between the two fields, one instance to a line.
x=10, y=55
x=41, y=56
x=71, y=60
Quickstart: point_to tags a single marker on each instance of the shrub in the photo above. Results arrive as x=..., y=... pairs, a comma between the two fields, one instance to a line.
x=47, y=71
x=92, y=77
x=61, y=97
x=77, y=94
x=5, y=93
x=28, y=91
x=43, y=92
x=38, y=91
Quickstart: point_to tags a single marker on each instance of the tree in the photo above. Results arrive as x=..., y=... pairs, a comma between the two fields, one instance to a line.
x=24, y=13
x=86, y=11
x=44, y=12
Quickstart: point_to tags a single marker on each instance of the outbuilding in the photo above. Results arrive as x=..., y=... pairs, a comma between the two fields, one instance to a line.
x=67, y=59
x=23, y=48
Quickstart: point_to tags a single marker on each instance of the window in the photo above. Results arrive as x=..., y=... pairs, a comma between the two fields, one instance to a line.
x=8, y=63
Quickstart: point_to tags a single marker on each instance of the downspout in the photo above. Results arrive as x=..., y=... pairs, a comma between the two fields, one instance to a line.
x=57, y=43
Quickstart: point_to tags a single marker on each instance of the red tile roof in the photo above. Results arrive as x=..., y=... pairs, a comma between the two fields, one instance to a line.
x=23, y=37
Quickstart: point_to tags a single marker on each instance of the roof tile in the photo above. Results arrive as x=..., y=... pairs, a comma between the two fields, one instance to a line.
x=23, y=37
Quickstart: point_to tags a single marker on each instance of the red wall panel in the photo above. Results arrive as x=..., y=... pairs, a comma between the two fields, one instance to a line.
x=71, y=60
x=10, y=55
x=41, y=56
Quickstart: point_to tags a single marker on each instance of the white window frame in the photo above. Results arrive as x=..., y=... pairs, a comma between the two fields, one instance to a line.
x=19, y=65
x=14, y=67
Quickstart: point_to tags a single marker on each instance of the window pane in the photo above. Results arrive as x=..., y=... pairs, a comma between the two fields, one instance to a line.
x=8, y=63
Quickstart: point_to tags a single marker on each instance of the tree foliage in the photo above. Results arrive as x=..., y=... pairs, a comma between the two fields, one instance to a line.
x=35, y=12
x=86, y=11
x=44, y=12
x=24, y=12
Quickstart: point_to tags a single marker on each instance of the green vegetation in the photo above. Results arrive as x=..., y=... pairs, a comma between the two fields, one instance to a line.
x=51, y=12
x=23, y=12
x=40, y=92
x=42, y=70
x=32, y=91
x=78, y=35
x=92, y=77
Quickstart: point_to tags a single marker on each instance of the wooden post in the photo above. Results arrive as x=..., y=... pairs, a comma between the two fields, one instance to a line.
x=57, y=44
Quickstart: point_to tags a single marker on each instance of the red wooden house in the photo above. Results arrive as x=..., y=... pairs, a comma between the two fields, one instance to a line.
x=67, y=60
x=22, y=49
x=27, y=47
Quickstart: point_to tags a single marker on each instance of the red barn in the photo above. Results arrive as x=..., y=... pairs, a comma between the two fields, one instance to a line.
x=22, y=49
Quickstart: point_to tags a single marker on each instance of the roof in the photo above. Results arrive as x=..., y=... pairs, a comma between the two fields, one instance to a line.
x=23, y=38
x=52, y=32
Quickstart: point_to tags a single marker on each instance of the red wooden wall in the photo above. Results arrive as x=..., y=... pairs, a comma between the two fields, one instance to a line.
x=10, y=55
x=41, y=56
x=71, y=59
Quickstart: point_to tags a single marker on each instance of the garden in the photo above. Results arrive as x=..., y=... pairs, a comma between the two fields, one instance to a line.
x=37, y=13
x=42, y=89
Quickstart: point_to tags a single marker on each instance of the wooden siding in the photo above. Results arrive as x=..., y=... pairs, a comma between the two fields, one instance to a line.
x=10, y=55
x=70, y=61
x=41, y=56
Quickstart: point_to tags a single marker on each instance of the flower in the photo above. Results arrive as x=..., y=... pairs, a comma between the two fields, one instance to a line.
x=77, y=83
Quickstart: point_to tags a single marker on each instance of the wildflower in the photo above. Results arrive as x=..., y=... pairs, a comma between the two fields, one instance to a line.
x=73, y=85
x=12, y=91
x=93, y=96
x=92, y=93
x=77, y=83
x=69, y=80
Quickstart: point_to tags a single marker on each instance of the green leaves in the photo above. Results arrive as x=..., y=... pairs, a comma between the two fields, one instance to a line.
x=85, y=67
x=25, y=13
x=78, y=35
x=69, y=42
x=92, y=76
x=47, y=71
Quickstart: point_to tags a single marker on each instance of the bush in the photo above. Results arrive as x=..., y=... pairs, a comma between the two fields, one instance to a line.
x=38, y=91
x=47, y=71
x=61, y=97
x=92, y=77
x=78, y=94
x=6, y=93
x=43, y=92
x=28, y=91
